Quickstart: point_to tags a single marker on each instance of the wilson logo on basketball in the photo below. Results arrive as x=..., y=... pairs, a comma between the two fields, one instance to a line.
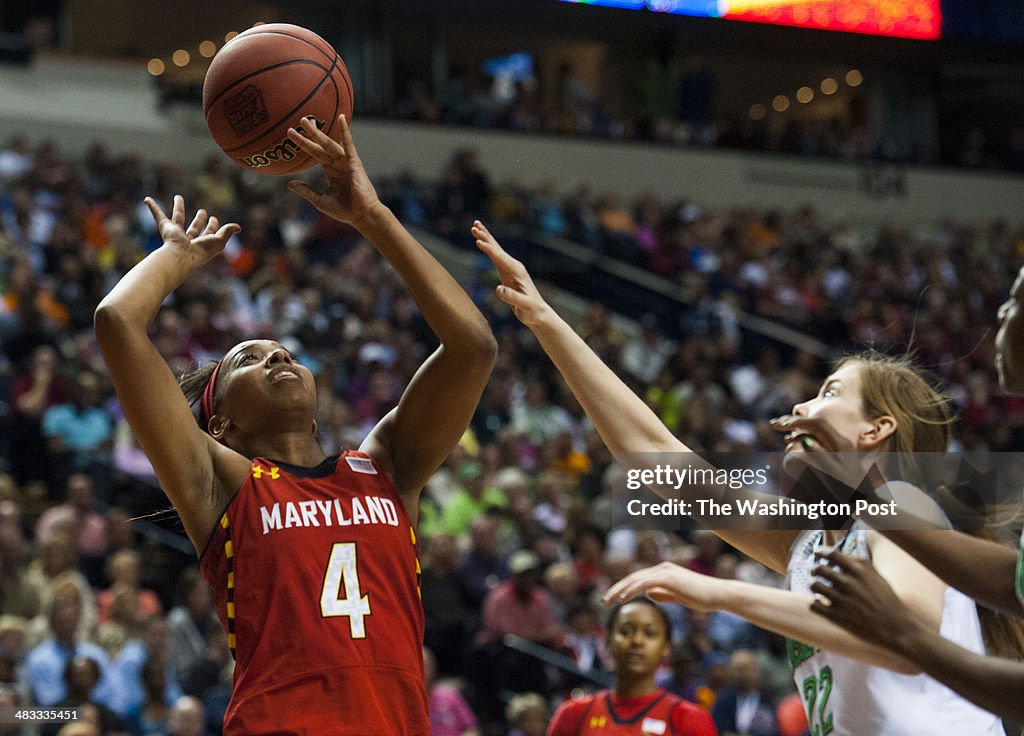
x=286, y=150
x=246, y=110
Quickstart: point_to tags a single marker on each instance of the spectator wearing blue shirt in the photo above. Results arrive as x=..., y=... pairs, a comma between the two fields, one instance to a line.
x=45, y=665
x=78, y=431
x=81, y=676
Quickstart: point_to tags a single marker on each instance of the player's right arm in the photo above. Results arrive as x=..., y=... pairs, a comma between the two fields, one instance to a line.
x=628, y=426
x=860, y=600
x=182, y=455
x=979, y=568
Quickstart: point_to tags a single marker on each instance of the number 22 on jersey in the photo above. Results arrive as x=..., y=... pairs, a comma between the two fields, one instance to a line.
x=341, y=595
x=816, y=691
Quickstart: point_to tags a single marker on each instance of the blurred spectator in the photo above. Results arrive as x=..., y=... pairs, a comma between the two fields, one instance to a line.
x=82, y=677
x=10, y=701
x=707, y=546
x=560, y=581
x=450, y=714
x=187, y=718
x=130, y=656
x=472, y=499
x=645, y=355
x=193, y=624
x=684, y=681
x=553, y=507
x=482, y=567
x=522, y=608
x=445, y=603
x=585, y=638
x=588, y=553
x=536, y=417
x=123, y=572
x=527, y=715
x=53, y=574
x=15, y=159
x=32, y=394
x=77, y=432
x=152, y=717
x=79, y=511
x=46, y=665
x=745, y=708
x=18, y=596
x=519, y=606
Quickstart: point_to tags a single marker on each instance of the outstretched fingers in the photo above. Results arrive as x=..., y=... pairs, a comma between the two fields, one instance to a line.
x=227, y=230
x=508, y=267
x=199, y=222
x=154, y=209
x=347, y=143
x=485, y=241
x=178, y=211
x=631, y=586
x=313, y=141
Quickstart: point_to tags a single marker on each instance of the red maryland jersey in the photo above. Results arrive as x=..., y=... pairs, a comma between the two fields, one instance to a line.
x=316, y=580
x=606, y=714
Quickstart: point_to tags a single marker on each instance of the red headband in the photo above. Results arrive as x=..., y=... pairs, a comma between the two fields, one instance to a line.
x=207, y=402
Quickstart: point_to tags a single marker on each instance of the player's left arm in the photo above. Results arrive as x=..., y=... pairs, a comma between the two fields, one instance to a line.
x=860, y=600
x=412, y=441
x=783, y=612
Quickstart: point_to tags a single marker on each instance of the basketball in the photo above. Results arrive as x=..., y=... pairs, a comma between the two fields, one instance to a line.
x=264, y=81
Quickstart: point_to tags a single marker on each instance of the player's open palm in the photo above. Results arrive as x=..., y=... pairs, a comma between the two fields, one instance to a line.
x=349, y=196
x=517, y=288
x=200, y=240
x=668, y=582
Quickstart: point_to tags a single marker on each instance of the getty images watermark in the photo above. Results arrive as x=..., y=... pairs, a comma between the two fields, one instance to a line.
x=766, y=491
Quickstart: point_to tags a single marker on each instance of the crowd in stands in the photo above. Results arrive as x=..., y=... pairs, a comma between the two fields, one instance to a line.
x=516, y=534
x=673, y=104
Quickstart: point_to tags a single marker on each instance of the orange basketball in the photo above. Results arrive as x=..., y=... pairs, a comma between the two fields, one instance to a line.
x=264, y=81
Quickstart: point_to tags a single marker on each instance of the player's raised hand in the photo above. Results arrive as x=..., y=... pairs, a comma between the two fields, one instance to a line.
x=349, y=196
x=517, y=288
x=202, y=239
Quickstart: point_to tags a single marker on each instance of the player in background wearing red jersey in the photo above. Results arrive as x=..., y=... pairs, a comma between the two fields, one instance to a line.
x=312, y=559
x=639, y=639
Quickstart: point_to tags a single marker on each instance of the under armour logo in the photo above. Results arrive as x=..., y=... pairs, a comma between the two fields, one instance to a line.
x=257, y=472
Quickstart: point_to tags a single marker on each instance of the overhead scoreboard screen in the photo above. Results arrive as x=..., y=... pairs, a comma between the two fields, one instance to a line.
x=920, y=19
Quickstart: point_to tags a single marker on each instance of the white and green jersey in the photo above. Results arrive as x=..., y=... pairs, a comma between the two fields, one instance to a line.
x=1019, y=579
x=846, y=697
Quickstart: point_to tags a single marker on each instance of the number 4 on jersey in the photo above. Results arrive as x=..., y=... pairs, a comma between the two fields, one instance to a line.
x=343, y=576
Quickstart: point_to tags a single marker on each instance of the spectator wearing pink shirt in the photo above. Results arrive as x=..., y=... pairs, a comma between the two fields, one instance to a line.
x=521, y=607
x=450, y=714
x=91, y=527
x=124, y=570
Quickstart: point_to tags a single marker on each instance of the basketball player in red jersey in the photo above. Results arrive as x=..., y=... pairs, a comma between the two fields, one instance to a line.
x=312, y=559
x=639, y=638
